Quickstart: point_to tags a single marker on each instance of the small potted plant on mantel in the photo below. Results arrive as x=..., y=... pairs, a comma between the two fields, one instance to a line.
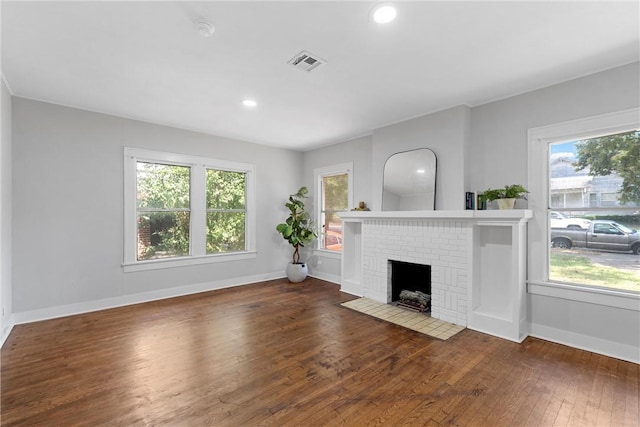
x=505, y=197
x=298, y=230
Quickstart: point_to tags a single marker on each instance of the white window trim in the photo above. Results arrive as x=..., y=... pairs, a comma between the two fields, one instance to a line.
x=318, y=174
x=538, y=182
x=198, y=165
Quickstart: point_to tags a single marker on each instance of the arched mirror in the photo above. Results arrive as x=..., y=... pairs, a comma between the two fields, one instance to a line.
x=409, y=182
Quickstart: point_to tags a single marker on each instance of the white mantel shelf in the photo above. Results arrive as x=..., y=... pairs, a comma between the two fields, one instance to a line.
x=478, y=261
x=487, y=215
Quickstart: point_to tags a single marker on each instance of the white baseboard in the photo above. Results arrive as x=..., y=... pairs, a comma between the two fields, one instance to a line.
x=120, y=301
x=6, y=330
x=585, y=342
x=326, y=277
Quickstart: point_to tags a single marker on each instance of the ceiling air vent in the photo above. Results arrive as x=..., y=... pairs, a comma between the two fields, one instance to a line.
x=306, y=61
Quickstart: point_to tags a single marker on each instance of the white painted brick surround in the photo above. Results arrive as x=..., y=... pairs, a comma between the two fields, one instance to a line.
x=445, y=245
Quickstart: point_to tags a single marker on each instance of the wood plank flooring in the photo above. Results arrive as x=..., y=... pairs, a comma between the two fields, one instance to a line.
x=283, y=354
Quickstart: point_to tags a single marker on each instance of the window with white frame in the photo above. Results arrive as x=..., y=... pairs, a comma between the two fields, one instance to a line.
x=583, y=179
x=333, y=195
x=182, y=210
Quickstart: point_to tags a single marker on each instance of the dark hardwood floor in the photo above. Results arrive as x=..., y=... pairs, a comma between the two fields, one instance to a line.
x=284, y=354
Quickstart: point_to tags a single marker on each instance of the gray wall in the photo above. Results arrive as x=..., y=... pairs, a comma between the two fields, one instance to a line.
x=68, y=206
x=68, y=193
x=357, y=151
x=445, y=133
x=499, y=132
x=5, y=212
x=486, y=146
x=499, y=129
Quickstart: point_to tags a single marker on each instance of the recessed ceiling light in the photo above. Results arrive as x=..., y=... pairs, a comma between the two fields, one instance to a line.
x=420, y=171
x=383, y=13
x=249, y=103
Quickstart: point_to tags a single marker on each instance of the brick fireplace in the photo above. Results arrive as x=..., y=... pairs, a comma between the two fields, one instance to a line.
x=477, y=263
x=444, y=245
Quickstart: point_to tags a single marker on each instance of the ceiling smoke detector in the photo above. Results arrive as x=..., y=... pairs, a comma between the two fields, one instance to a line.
x=205, y=28
x=306, y=61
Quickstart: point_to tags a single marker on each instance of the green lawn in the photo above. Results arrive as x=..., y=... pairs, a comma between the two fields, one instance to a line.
x=579, y=269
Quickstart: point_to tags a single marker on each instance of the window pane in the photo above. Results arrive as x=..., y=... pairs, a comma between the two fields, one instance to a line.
x=599, y=254
x=163, y=234
x=162, y=186
x=594, y=191
x=225, y=190
x=596, y=172
x=225, y=232
x=335, y=197
x=332, y=236
x=336, y=192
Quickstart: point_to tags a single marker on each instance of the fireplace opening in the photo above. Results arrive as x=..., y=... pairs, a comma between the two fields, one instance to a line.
x=410, y=285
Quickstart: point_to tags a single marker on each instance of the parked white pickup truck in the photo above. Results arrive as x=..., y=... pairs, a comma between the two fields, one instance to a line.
x=601, y=234
x=559, y=220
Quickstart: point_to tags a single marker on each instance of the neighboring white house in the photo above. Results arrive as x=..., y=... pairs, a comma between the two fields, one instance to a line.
x=577, y=189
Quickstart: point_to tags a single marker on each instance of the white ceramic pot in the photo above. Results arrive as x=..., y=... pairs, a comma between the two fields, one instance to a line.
x=297, y=272
x=506, y=203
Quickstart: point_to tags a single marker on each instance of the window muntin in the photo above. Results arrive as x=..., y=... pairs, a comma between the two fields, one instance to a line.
x=586, y=186
x=195, y=221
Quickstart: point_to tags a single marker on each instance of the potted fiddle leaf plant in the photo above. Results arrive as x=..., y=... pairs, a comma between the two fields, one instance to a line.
x=505, y=197
x=299, y=230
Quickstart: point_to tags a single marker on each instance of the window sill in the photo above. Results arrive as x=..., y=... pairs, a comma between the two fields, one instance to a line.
x=156, y=264
x=607, y=297
x=328, y=254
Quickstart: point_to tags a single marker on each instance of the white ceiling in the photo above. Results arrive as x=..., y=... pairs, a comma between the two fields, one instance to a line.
x=146, y=61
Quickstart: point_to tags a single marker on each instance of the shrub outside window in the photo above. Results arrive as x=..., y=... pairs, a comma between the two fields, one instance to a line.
x=226, y=213
x=163, y=210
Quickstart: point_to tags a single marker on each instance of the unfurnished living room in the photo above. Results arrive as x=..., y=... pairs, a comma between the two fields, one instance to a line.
x=305, y=213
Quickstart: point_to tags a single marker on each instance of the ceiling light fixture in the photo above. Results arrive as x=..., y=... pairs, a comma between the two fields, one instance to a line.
x=249, y=103
x=383, y=13
x=420, y=171
x=205, y=28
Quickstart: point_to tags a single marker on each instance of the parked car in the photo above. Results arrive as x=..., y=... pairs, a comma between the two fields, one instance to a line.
x=601, y=234
x=559, y=220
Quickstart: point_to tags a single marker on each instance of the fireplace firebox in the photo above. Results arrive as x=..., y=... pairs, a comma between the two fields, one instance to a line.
x=410, y=285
